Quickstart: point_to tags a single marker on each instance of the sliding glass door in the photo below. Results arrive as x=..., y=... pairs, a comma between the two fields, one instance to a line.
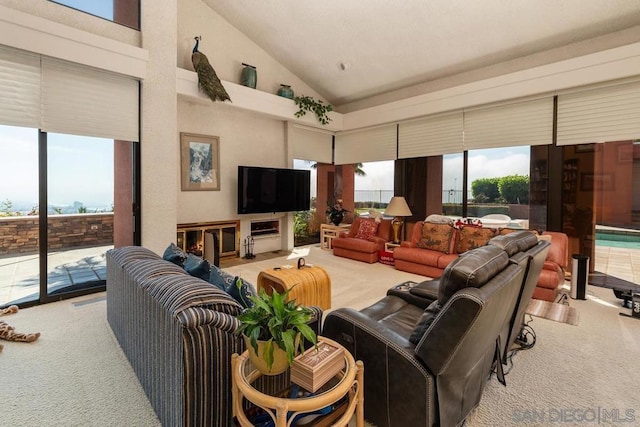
x=80, y=192
x=64, y=201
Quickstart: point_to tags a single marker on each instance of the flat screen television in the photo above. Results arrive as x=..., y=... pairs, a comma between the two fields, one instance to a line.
x=263, y=190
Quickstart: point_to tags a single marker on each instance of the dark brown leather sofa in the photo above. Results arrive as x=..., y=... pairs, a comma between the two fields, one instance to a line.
x=426, y=359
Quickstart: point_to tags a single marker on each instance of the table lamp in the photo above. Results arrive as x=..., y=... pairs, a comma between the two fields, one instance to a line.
x=397, y=208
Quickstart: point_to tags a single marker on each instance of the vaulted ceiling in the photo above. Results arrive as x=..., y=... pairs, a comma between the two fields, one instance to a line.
x=357, y=53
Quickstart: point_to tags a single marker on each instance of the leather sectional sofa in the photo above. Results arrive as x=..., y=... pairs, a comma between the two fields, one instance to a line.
x=428, y=354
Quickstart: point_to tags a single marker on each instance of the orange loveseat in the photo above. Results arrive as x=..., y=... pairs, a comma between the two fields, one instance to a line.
x=360, y=243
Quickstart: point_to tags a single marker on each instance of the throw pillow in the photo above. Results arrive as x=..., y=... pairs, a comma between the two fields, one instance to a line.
x=436, y=237
x=368, y=228
x=175, y=255
x=197, y=267
x=473, y=237
x=241, y=291
x=217, y=279
x=428, y=316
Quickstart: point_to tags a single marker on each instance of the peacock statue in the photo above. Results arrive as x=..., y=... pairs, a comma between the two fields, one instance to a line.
x=208, y=81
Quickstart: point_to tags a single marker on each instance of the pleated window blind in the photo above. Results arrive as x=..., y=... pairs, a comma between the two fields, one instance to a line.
x=511, y=124
x=367, y=145
x=312, y=144
x=19, y=88
x=606, y=113
x=80, y=100
x=430, y=136
x=64, y=97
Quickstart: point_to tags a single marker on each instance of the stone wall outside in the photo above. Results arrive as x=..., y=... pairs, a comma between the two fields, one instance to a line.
x=19, y=235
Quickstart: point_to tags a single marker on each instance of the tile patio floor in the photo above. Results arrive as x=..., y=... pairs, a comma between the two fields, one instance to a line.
x=19, y=279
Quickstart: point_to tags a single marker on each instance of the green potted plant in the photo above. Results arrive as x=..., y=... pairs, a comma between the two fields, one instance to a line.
x=307, y=104
x=274, y=331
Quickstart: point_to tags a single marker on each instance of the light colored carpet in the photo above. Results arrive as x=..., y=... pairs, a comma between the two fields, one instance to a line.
x=76, y=375
x=553, y=311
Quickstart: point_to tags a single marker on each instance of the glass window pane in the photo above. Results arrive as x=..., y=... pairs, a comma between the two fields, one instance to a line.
x=498, y=183
x=373, y=185
x=452, y=167
x=125, y=12
x=80, y=222
x=19, y=239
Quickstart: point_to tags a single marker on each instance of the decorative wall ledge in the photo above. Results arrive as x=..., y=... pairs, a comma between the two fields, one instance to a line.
x=253, y=100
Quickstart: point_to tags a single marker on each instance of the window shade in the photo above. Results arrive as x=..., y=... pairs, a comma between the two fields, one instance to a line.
x=312, y=144
x=610, y=113
x=19, y=88
x=367, y=145
x=507, y=125
x=80, y=100
x=430, y=136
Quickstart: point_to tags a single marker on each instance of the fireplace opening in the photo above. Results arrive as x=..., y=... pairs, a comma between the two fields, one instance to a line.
x=265, y=228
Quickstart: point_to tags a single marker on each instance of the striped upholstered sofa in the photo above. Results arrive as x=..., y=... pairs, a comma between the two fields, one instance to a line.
x=178, y=333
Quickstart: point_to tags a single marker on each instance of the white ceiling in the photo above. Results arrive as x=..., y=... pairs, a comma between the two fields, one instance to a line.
x=388, y=45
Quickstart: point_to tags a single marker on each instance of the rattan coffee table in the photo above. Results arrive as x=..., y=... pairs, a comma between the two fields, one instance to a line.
x=312, y=284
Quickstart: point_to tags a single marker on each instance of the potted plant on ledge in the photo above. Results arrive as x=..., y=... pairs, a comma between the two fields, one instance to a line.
x=274, y=331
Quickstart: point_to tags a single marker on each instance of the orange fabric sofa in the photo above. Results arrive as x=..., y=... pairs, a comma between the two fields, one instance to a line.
x=362, y=248
x=433, y=246
x=412, y=258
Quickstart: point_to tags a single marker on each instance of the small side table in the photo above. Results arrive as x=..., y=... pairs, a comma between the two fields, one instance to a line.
x=329, y=232
x=350, y=383
x=389, y=247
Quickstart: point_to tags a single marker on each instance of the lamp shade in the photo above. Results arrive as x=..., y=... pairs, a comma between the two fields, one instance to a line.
x=397, y=207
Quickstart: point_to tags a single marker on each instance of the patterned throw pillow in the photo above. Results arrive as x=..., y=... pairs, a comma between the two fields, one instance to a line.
x=368, y=228
x=473, y=237
x=436, y=237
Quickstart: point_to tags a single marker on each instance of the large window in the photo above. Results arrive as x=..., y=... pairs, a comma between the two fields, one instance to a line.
x=452, y=184
x=497, y=184
x=373, y=185
x=125, y=12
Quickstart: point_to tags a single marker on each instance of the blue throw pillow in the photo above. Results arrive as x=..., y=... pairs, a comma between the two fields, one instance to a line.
x=241, y=291
x=197, y=267
x=175, y=255
x=217, y=279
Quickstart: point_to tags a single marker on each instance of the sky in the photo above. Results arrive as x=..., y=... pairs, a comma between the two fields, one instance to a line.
x=80, y=168
x=102, y=8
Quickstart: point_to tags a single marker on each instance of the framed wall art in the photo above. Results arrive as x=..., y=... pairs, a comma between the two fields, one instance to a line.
x=199, y=162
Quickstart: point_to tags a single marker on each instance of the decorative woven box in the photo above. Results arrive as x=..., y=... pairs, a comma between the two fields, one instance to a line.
x=312, y=369
x=385, y=257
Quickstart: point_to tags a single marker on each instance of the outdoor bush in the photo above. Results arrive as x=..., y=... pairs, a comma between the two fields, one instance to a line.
x=514, y=189
x=488, y=187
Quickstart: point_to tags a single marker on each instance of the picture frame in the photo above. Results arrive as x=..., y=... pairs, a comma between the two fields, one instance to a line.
x=597, y=182
x=199, y=162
